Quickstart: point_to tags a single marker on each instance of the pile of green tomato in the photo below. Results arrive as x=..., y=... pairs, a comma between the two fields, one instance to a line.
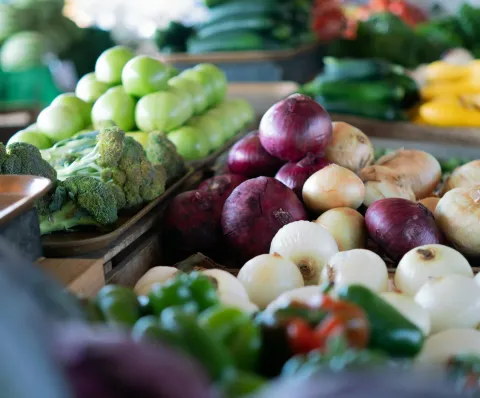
x=185, y=313
x=142, y=94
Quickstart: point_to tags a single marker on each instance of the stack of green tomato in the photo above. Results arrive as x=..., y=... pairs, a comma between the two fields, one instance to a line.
x=140, y=93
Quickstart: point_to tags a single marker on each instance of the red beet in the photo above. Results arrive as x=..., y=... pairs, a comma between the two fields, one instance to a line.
x=247, y=157
x=294, y=127
x=294, y=175
x=254, y=213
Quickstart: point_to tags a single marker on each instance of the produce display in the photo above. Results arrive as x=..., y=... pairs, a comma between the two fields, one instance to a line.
x=140, y=94
x=365, y=87
x=244, y=25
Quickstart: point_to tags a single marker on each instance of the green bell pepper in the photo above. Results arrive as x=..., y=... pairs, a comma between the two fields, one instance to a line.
x=238, y=333
x=119, y=305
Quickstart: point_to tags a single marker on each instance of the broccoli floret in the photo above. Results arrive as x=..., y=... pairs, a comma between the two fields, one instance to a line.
x=160, y=150
x=120, y=160
x=80, y=201
x=3, y=154
x=23, y=158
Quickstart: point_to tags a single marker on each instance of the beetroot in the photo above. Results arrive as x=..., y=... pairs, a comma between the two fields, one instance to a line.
x=247, y=157
x=254, y=213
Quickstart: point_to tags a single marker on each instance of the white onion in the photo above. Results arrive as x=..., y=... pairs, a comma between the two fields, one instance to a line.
x=235, y=301
x=347, y=227
x=226, y=282
x=306, y=244
x=466, y=176
x=409, y=309
x=477, y=278
x=267, y=276
x=440, y=347
x=458, y=56
x=349, y=147
x=458, y=216
x=358, y=266
x=453, y=301
x=333, y=186
x=303, y=295
x=426, y=262
x=153, y=276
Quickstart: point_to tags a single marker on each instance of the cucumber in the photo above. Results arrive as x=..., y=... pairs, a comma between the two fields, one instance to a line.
x=412, y=94
x=378, y=91
x=356, y=69
x=240, y=8
x=257, y=23
x=372, y=110
x=233, y=41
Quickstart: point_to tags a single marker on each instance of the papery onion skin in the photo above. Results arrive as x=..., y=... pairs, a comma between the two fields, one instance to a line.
x=331, y=187
x=430, y=203
x=294, y=175
x=247, y=157
x=466, y=176
x=458, y=216
x=294, y=127
x=349, y=147
x=399, y=225
x=347, y=227
x=222, y=185
x=254, y=213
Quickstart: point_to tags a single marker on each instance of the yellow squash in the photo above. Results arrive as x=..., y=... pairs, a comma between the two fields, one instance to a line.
x=449, y=112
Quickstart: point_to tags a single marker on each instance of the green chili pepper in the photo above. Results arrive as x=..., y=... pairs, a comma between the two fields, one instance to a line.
x=173, y=293
x=203, y=291
x=242, y=384
x=92, y=312
x=237, y=332
x=149, y=328
x=390, y=331
x=119, y=305
x=197, y=342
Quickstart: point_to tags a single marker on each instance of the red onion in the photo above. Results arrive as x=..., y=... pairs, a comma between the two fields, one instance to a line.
x=247, y=157
x=192, y=221
x=294, y=175
x=222, y=185
x=295, y=126
x=254, y=213
x=399, y=225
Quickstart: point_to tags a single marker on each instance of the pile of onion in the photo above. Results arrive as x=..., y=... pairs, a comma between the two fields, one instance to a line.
x=254, y=213
x=294, y=174
x=294, y=127
x=466, y=176
x=399, y=225
x=247, y=157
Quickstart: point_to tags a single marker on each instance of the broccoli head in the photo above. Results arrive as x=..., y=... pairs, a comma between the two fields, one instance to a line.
x=80, y=201
x=3, y=154
x=160, y=150
x=120, y=160
x=23, y=158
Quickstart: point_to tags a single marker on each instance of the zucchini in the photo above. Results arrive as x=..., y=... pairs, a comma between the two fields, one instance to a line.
x=240, y=8
x=356, y=69
x=377, y=91
x=233, y=41
x=371, y=110
x=412, y=94
x=257, y=23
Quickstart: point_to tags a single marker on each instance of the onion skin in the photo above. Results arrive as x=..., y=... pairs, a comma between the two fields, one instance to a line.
x=294, y=127
x=294, y=175
x=465, y=176
x=247, y=157
x=333, y=186
x=254, y=213
x=222, y=185
x=458, y=216
x=399, y=225
x=430, y=203
x=350, y=147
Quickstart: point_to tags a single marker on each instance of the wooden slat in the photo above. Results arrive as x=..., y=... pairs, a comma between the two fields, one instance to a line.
x=83, y=277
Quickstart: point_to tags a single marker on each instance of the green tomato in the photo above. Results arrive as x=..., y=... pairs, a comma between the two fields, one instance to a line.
x=114, y=106
x=41, y=141
x=59, y=122
x=190, y=142
x=235, y=118
x=140, y=137
x=172, y=71
x=162, y=111
x=110, y=64
x=211, y=128
x=204, y=80
x=89, y=89
x=243, y=108
x=194, y=89
x=79, y=105
x=217, y=78
x=224, y=119
x=143, y=75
